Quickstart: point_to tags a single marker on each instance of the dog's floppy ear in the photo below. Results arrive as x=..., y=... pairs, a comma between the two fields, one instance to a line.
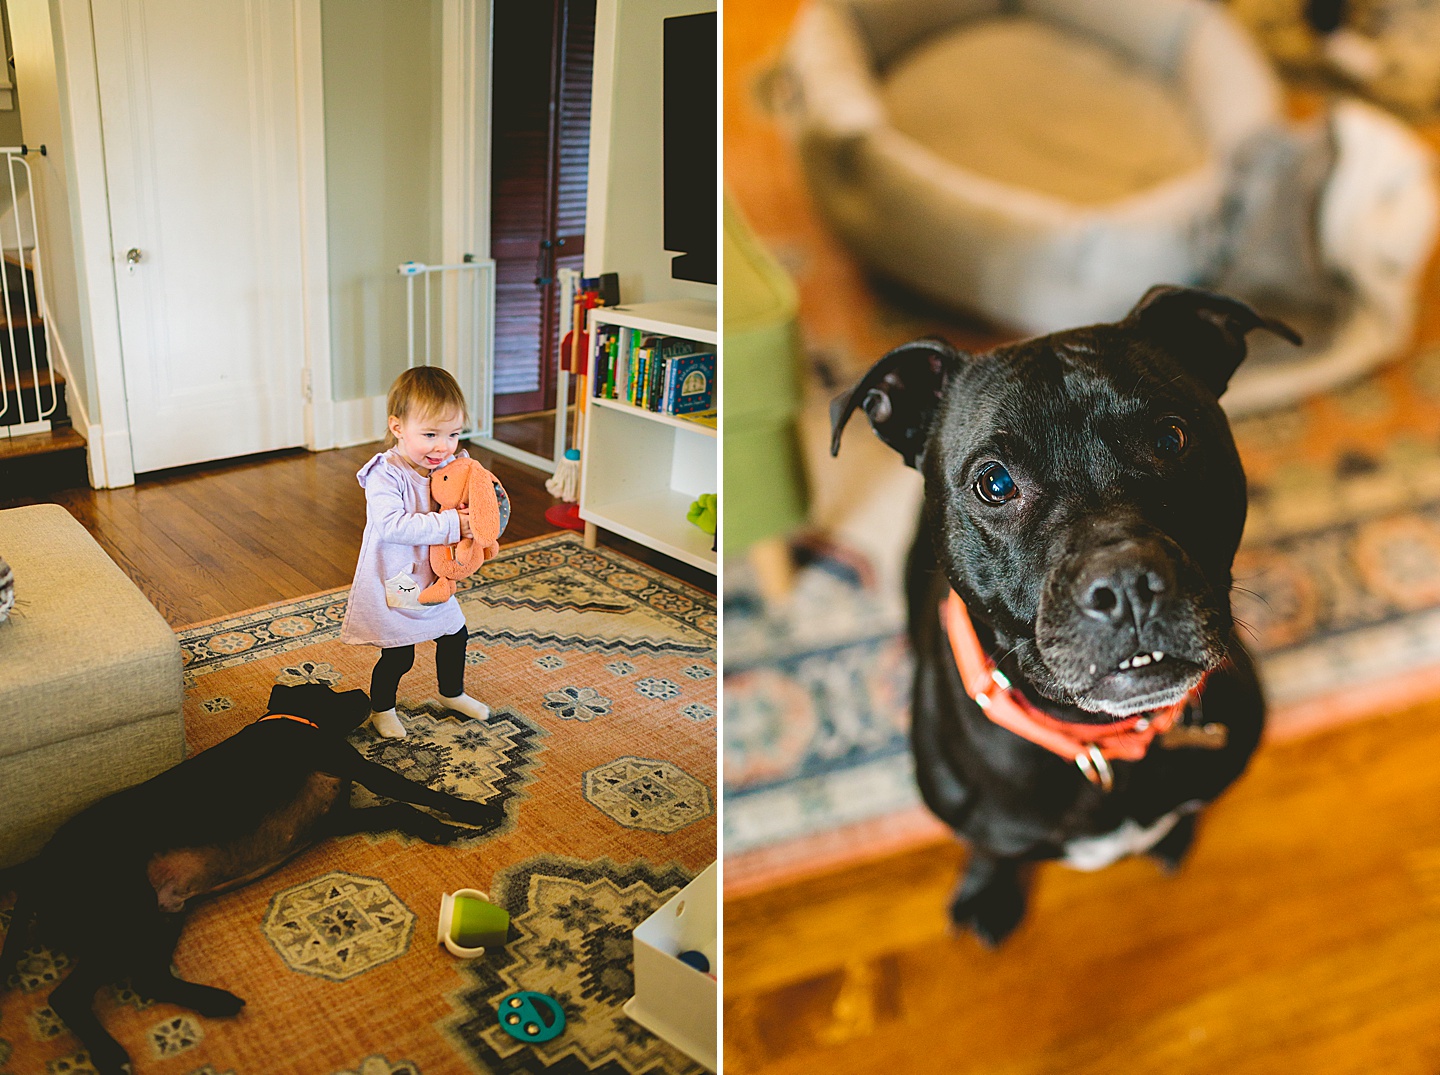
x=1205, y=331
x=899, y=395
x=336, y=711
x=351, y=708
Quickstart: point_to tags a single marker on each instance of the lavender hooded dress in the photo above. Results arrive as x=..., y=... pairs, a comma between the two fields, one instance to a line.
x=394, y=565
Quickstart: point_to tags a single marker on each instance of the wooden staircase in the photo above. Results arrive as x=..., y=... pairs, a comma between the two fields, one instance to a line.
x=33, y=463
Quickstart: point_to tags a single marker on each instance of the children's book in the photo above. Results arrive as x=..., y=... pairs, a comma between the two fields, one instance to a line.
x=604, y=375
x=668, y=388
x=692, y=384
x=662, y=374
x=702, y=418
x=612, y=357
x=645, y=347
x=625, y=373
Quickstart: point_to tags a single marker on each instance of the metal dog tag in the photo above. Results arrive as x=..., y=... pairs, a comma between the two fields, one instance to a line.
x=1200, y=736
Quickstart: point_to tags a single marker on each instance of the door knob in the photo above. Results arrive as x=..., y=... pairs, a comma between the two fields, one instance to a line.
x=132, y=258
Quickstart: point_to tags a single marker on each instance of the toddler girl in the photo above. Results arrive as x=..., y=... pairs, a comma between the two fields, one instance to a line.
x=426, y=416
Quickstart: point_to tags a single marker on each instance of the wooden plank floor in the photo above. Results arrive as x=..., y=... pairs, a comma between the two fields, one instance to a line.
x=1302, y=936
x=218, y=538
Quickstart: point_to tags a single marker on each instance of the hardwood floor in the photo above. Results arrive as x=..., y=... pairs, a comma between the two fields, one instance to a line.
x=216, y=539
x=1302, y=936
x=534, y=433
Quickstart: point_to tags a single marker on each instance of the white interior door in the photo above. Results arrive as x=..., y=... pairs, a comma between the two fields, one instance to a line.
x=200, y=114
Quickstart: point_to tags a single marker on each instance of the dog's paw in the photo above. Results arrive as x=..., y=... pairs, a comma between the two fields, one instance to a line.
x=483, y=816
x=1171, y=851
x=108, y=1058
x=437, y=832
x=991, y=914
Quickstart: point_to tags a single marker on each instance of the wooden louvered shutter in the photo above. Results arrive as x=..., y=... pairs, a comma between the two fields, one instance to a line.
x=543, y=55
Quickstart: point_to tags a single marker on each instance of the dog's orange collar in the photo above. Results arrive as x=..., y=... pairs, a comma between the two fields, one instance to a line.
x=1089, y=746
x=288, y=716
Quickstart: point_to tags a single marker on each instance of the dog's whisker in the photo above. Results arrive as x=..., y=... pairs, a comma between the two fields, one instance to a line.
x=1253, y=593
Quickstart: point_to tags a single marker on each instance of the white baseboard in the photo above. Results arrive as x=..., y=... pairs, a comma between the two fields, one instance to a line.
x=357, y=421
x=94, y=453
x=108, y=456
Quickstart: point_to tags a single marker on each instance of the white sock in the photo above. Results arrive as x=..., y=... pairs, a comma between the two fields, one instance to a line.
x=388, y=724
x=463, y=703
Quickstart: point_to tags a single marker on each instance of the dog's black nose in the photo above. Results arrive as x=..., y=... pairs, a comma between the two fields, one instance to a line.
x=1124, y=583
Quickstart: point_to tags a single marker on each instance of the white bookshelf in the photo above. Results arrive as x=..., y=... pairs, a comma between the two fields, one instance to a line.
x=640, y=471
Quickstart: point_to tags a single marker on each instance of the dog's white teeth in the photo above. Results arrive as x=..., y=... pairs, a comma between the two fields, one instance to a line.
x=1140, y=660
x=1125, y=664
x=1157, y=655
x=1092, y=669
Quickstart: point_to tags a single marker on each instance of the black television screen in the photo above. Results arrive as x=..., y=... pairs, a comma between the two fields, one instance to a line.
x=691, y=183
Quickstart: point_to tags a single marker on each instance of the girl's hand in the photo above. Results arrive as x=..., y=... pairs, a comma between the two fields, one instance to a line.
x=464, y=523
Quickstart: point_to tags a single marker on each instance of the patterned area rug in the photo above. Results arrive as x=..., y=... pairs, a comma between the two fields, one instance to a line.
x=1338, y=581
x=601, y=746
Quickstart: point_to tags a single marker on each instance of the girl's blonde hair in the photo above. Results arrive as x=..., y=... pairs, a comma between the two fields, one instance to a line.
x=425, y=392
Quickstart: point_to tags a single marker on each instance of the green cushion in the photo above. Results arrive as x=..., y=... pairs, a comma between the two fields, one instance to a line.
x=764, y=479
x=764, y=484
x=762, y=338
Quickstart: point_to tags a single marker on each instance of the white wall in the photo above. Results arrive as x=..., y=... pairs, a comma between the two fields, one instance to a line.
x=624, y=225
x=382, y=64
x=9, y=117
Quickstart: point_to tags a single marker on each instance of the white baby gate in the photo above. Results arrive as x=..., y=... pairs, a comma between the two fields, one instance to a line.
x=451, y=324
x=23, y=408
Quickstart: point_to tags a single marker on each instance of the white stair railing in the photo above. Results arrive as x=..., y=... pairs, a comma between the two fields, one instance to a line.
x=23, y=409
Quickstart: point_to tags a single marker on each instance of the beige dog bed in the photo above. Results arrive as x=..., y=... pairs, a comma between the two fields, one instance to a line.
x=1041, y=164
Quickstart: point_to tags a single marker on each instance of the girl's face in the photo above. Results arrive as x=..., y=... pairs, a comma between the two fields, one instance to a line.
x=427, y=440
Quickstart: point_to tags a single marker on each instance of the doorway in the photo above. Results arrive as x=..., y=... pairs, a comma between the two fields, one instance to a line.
x=200, y=112
x=542, y=59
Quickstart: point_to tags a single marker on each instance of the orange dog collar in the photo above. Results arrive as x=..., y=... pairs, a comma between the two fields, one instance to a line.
x=1089, y=746
x=288, y=716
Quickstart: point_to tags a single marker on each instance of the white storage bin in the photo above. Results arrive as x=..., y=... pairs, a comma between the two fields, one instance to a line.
x=673, y=1000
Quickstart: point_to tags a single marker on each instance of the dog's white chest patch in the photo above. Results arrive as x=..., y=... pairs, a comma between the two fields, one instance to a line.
x=1131, y=838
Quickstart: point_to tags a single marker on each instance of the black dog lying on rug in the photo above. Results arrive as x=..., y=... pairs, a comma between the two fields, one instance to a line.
x=110, y=887
x=1079, y=689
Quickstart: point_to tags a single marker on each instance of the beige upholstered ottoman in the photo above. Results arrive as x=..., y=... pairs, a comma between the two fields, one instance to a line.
x=90, y=680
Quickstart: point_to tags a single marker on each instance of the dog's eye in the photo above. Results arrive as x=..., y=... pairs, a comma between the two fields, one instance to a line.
x=994, y=484
x=1171, y=439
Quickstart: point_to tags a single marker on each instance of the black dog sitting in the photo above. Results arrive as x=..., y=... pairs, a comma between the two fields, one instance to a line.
x=110, y=886
x=1083, y=502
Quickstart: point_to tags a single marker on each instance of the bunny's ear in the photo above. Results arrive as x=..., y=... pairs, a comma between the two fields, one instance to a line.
x=899, y=395
x=484, y=506
x=1205, y=331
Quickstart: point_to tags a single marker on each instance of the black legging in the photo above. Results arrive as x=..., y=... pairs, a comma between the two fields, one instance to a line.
x=394, y=663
